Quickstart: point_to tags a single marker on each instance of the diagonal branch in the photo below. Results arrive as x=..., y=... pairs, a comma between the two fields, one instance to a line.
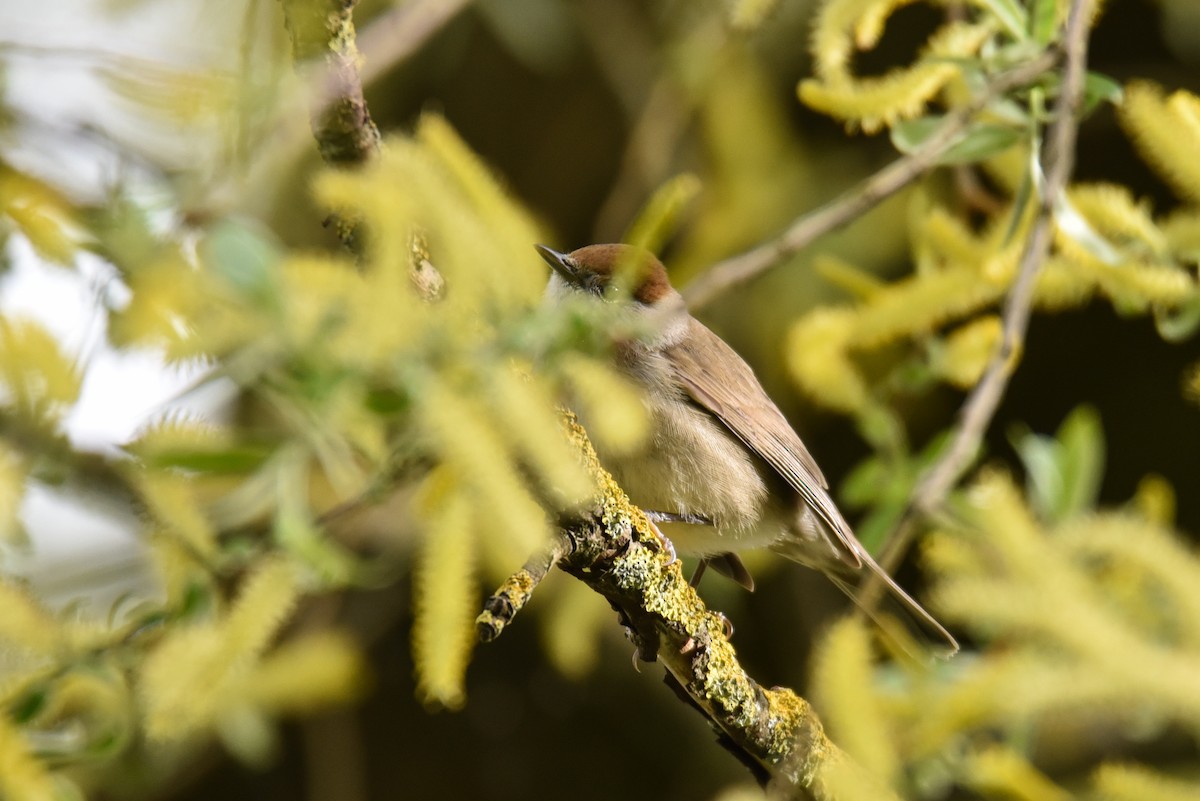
x=615, y=551
x=1057, y=162
x=864, y=196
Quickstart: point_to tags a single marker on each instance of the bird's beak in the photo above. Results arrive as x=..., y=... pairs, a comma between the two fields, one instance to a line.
x=561, y=263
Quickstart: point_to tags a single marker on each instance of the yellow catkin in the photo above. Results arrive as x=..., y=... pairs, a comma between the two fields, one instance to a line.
x=1139, y=283
x=464, y=435
x=1114, y=782
x=13, y=472
x=171, y=499
x=43, y=215
x=444, y=599
x=573, y=623
x=846, y=276
x=949, y=239
x=872, y=103
x=842, y=686
x=1145, y=547
x=1182, y=231
x=25, y=625
x=181, y=682
x=307, y=673
x=609, y=405
x=509, y=227
x=186, y=679
x=22, y=776
x=659, y=218
x=534, y=430
x=968, y=350
x=266, y=600
x=842, y=26
x=35, y=368
x=1002, y=772
x=819, y=359
x=1154, y=498
x=1165, y=133
x=749, y=15
x=918, y=304
x=1117, y=216
x=1062, y=285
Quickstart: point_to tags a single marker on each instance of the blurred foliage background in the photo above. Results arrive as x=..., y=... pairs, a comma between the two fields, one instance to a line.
x=340, y=446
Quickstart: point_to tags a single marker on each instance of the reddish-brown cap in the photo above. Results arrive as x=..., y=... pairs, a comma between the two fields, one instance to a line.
x=595, y=265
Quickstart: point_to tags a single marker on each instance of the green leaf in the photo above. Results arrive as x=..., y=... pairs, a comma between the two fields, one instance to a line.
x=982, y=141
x=1044, y=478
x=245, y=255
x=873, y=530
x=1064, y=472
x=1044, y=21
x=979, y=142
x=1099, y=89
x=1011, y=15
x=863, y=485
x=909, y=135
x=1082, y=440
x=237, y=459
x=30, y=704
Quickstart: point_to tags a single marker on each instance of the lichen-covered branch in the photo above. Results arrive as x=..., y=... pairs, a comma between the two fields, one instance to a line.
x=614, y=550
x=511, y=597
x=341, y=122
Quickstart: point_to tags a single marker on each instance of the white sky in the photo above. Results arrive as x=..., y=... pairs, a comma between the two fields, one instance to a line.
x=51, y=52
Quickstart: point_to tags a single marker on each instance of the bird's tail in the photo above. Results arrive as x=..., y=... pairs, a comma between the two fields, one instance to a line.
x=895, y=605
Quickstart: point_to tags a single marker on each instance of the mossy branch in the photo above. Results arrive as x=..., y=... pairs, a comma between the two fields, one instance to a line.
x=613, y=549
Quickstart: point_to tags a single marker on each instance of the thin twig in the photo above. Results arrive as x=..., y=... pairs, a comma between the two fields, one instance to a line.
x=1057, y=162
x=511, y=597
x=863, y=197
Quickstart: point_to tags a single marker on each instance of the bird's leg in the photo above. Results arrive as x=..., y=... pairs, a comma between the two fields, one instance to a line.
x=662, y=539
x=698, y=573
x=672, y=517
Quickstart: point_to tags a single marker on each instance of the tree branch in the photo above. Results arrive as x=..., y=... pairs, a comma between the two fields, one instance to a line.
x=341, y=122
x=614, y=550
x=864, y=196
x=1057, y=161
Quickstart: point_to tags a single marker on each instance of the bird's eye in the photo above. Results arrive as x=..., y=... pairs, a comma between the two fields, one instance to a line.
x=594, y=284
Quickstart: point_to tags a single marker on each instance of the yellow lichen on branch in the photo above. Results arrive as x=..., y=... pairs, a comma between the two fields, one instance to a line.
x=614, y=550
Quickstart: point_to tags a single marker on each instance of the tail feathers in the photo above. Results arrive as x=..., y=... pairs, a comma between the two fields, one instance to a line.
x=896, y=604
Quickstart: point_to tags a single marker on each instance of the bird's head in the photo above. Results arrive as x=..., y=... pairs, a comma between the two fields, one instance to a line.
x=593, y=269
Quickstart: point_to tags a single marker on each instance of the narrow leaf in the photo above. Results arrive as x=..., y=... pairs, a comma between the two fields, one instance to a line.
x=1011, y=15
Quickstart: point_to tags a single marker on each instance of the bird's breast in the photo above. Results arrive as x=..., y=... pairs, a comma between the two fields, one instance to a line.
x=692, y=465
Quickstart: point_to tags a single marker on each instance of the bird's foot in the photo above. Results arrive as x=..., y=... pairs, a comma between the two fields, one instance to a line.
x=673, y=517
x=666, y=544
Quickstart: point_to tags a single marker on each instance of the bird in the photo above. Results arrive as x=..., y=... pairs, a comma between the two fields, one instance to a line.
x=722, y=470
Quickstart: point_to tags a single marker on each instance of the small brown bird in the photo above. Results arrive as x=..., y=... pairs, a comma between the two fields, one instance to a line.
x=722, y=470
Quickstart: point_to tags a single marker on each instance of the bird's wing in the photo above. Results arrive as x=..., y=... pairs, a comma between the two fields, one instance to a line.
x=740, y=402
